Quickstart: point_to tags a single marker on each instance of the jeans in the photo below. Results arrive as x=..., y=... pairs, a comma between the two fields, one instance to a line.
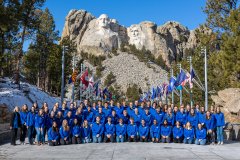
x=220, y=134
x=106, y=138
x=97, y=139
x=30, y=134
x=165, y=140
x=40, y=135
x=188, y=141
x=86, y=140
x=118, y=139
x=202, y=142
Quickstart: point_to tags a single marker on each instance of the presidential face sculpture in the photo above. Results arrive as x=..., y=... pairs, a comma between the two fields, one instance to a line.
x=135, y=36
x=104, y=21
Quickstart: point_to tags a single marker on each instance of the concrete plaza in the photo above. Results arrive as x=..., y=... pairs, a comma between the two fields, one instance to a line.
x=124, y=151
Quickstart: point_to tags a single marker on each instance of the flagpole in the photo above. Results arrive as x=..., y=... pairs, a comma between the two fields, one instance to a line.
x=62, y=85
x=73, y=87
x=173, y=88
x=205, y=73
x=191, y=91
x=180, y=68
x=80, y=88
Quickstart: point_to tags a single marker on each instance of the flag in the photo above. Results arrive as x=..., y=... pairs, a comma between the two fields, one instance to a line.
x=192, y=74
x=153, y=96
x=164, y=87
x=171, y=84
x=91, y=81
x=70, y=80
x=73, y=77
x=158, y=92
x=84, y=77
x=180, y=78
x=106, y=94
x=179, y=87
x=186, y=80
x=96, y=90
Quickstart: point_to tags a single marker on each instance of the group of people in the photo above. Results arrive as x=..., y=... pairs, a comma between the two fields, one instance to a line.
x=73, y=123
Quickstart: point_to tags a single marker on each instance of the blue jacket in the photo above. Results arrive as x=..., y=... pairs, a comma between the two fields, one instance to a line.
x=201, y=117
x=97, y=129
x=109, y=129
x=130, y=111
x=177, y=132
x=39, y=121
x=119, y=111
x=52, y=135
x=132, y=129
x=148, y=119
x=121, y=129
x=137, y=119
x=63, y=133
x=155, y=131
x=114, y=119
x=152, y=111
x=102, y=117
x=159, y=117
x=85, y=132
x=220, y=121
x=23, y=116
x=170, y=119
x=107, y=111
x=189, y=133
x=181, y=117
x=76, y=130
x=59, y=121
x=125, y=119
x=89, y=117
x=70, y=121
x=79, y=117
x=193, y=120
x=209, y=122
x=143, y=130
x=30, y=119
x=64, y=112
x=165, y=130
x=201, y=134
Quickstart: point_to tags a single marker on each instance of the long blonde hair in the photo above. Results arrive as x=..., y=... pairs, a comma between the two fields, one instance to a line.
x=65, y=125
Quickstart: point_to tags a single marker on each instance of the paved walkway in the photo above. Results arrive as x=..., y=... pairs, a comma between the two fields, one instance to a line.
x=124, y=151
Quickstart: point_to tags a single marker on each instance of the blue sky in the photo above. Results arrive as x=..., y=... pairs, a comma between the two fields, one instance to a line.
x=127, y=12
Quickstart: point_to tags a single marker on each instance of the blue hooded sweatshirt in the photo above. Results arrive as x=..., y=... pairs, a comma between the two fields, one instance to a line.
x=155, y=131
x=64, y=133
x=165, y=130
x=76, y=130
x=52, y=135
x=30, y=119
x=143, y=130
x=201, y=134
x=97, y=128
x=109, y=129
x=181, y=117
x=85, y=132
x=189, y=133
x=39, y=121
x=177, y=132
x=220, y=121
x=132, y=130
x=121, y=130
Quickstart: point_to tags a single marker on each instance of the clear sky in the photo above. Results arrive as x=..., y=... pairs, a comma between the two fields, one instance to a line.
x=188, y=12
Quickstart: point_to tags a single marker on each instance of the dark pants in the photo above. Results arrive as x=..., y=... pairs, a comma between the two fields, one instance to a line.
x=31, y=130
x=106, y=138
x=51, y=143
x=14, y=136
x=143, y=140
x=76, y=140
x=178, y=140
x=63, y=142
x=132, y=139
x=166, y=140
x=23, y=132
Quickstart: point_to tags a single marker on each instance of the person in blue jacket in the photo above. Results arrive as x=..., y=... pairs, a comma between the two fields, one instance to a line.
x=76, y=132
x=132, y=131
x=86, y=132
x=23, y=129
x=200, y=135
x=101, y=115
x=89, y=116
x=178, y=133
x=64, y=109
x=193, y=118
x=125, y=117
x=15, y=123
x=79, y=115
x=220, y=123
x=121, y=130
x=106, y=110
x=109, y=133
x=119, y=109
x=170, y=117
x=143, y=131
x=208, y=121
x=114, y=117
x=30, y=125
x=65, y=133
x=53, y=135
x=165, y=132
x=97, y=130
x=188, y=134
x=137, y=117
x=39, y=126
x=181, y=116
x=130, y=109
x=147, y=117
x=59, y=119
x=69, y=118
x=155, y=131
x=201, y=116
x=159, y=116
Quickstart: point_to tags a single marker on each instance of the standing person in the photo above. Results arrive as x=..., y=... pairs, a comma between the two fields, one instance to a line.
x=47, y=120
x=170, y=117
x=30, y=125
x=200, y=135
x=109, y=130
x=188, y=134
x=220, y=123
x=121, y=130
x=209, y=126
x=125, y=117
x=65, y=133
x=39, y=126
x=15, y=123
x=132, y=131
x=165, y=132
x=143, y=131
x=155, y=131
x=76, y=132
x=86, y=132
x=97, y=130
x=193, y=118
x=23, y=130
x=53, y=135
x=181, y=116
x=177, y=133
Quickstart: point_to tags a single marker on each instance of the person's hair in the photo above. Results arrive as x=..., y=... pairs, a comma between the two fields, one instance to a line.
x=24, y=110
x=186, y=126
x=206, y=116
x=65, y=125
x=15, y=108
x=55, y=129
x=164, y=122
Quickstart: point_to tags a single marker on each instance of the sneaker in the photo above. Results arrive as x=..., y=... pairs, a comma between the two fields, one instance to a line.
x=221, y=143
